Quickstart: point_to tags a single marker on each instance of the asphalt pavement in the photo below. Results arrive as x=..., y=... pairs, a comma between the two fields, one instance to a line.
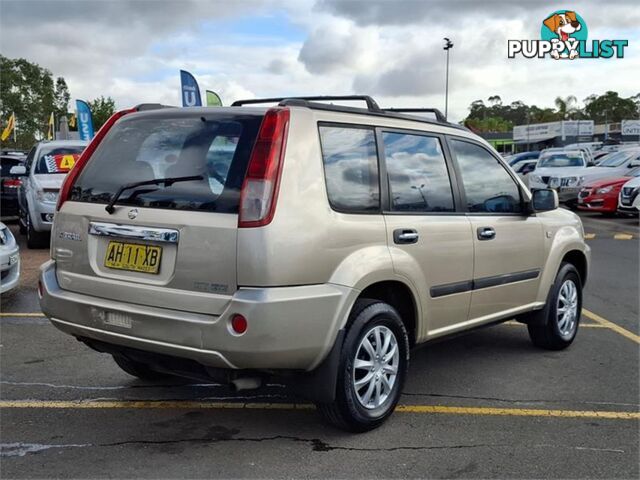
x=483, y=405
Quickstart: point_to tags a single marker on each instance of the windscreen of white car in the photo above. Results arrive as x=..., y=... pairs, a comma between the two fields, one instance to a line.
x=564, y=159
x=57, y=159
x=616, y=159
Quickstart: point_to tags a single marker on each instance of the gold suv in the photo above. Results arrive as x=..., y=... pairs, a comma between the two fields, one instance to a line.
x=307, y=241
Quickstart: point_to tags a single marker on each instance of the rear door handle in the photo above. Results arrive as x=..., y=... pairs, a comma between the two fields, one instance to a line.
x=486, y=233
x=405, y=236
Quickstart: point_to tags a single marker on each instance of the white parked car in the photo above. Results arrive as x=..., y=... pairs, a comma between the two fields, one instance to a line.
x=9, y=260
x=524, y=168
x=629, y=199
x=614, y=165
x=565, y=165
x=45, y=168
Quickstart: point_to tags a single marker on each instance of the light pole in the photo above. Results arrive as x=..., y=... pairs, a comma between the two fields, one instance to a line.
x=448, y=45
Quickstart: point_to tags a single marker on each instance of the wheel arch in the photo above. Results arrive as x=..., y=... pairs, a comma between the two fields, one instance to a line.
x=401, y=297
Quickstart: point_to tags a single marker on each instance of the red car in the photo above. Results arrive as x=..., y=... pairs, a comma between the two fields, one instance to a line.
x=602, y=195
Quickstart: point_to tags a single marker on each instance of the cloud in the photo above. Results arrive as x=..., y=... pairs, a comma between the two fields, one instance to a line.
x=132, y=49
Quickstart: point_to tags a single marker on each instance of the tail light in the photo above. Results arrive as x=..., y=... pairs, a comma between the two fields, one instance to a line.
x=86, y=154
x=260, y=187
x=12, y=182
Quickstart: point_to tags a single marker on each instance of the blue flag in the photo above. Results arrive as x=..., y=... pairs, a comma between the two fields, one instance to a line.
x=190, y=90
x=85, y=122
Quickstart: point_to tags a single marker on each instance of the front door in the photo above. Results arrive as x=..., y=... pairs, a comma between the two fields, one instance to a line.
x=430, y=243
x=508, y=243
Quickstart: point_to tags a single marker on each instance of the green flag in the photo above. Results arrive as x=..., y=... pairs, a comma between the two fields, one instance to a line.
x=213, y=100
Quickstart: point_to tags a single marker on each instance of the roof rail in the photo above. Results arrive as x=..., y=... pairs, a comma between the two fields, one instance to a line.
x=150, y=106
x=303, y=101
x=438, y=114
x=372, y=108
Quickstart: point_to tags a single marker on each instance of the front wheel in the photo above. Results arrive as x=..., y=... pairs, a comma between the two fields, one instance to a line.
x=373, y=367
x=557, y=324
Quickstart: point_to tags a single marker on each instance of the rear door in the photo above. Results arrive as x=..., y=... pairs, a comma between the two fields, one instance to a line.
x=170, y=245
x=508, y=243
x=430, y=242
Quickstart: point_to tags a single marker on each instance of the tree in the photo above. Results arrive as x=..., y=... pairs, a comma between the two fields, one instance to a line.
x=101, y=109
x=567, y=107
x=28, y=91
x=610, y=107
x=61, y=97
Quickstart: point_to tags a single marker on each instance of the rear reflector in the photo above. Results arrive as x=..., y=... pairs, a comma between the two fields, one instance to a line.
x=260, y=188
x=239, y=324
x=86, y=154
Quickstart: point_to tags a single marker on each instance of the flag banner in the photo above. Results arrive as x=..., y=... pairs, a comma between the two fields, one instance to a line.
x=213, y=99
x=61, y=163
x=85, y=122
x=190, y=90
x=11, y=125
x=51, y=131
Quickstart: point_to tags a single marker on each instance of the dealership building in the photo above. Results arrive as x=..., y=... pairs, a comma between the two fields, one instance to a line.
x=537, y=136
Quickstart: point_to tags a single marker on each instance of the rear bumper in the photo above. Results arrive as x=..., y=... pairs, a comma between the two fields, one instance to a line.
x=289, y=327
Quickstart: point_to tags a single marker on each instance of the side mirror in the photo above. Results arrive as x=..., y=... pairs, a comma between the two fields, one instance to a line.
x=633, y=164
x=544, y=200
x=18, y=170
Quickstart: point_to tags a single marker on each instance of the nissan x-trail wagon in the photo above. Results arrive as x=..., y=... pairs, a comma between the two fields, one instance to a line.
x=306, y=241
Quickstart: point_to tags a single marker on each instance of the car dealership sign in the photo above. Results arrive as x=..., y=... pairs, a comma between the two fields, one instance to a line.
x=630, y=127
x=538, y=132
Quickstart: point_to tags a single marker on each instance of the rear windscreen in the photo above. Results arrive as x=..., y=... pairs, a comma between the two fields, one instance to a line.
x=57, y=159
x=140, y=149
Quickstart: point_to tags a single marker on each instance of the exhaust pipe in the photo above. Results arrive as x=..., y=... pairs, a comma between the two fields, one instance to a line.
x=245, y=383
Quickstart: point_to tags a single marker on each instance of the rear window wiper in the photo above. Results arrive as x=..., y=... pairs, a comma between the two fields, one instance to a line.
x=167, y=182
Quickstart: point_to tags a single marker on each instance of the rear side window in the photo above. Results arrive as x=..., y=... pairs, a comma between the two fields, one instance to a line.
x=418, y=176
x=138, y=149
x=350, y=160
x=487, y=185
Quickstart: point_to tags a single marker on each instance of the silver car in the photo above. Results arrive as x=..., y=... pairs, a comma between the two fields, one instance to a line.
x=43, y=173
x=9, y=260
x=310, y=242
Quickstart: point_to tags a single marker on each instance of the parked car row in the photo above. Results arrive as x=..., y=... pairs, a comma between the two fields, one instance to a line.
x=33, y=185
x=585, y=178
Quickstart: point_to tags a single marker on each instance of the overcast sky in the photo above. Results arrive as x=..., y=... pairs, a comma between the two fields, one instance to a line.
x=132, y=49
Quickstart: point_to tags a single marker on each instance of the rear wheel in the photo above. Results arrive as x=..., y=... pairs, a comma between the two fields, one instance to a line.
x=36, y=239
x=138, y=369
x=555, y=327
x=373, y=367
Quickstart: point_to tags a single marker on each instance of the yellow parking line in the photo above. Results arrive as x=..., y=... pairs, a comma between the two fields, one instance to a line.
x=13, y=314
x=623, y=236
x=612, y=326
x=589, y=236
x=420, y=409
x=518, y=412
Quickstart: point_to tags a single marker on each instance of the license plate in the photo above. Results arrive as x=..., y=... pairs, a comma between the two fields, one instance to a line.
x=133, y=257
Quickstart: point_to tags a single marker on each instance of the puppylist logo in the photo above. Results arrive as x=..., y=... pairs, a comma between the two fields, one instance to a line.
x=564, y=37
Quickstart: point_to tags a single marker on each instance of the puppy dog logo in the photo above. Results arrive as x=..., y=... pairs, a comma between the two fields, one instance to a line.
x=564, y=29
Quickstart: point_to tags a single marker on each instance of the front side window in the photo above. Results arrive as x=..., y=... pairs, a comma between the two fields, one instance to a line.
x=418, y=176
x=350, y=159
x=487, y=185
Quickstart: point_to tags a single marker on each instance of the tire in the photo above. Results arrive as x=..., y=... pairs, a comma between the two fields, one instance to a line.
x=367, y=407
x=550, y=329
x=36, y=239
x=137, y=369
